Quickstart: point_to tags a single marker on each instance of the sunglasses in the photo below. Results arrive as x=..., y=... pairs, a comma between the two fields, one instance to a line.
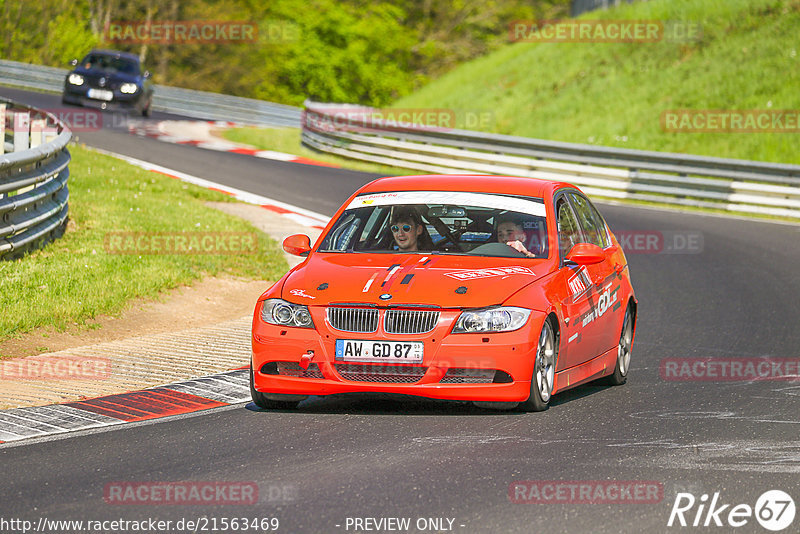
x=405, y=227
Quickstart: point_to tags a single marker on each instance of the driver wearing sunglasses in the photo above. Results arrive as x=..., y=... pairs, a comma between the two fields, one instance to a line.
x=407, y=227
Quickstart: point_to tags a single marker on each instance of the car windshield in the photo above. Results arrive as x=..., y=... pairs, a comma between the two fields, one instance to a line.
x=110, y=63
x=442, y=222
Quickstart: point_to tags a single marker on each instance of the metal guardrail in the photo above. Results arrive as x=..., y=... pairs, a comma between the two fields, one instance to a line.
x=578, y=7
x=198, y=104
x=665, y=178
x=33, y=178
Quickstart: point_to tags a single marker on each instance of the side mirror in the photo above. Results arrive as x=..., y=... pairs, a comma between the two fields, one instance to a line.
x=297, y=245
x=585, y=254
x=74, y=62
x=147, y=74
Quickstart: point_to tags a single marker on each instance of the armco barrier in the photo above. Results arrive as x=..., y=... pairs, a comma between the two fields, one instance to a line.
x=198, y=104
x=33, y=178
x=677, y=179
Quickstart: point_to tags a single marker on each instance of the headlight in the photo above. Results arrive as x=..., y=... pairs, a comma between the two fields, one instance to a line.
x=500, y=319
x=282, y=313
x=128, y=88
x=75, y=79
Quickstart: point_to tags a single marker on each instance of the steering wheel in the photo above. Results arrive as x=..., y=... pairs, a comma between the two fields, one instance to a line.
x=446, y=233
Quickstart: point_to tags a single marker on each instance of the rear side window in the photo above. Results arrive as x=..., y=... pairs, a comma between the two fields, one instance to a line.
x=594, y=228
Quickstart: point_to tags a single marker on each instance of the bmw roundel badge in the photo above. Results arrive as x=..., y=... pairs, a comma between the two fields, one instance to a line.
x=385, y=296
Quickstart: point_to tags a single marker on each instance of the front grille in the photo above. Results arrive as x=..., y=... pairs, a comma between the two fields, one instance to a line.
x=294, y=369
x=363, y=320
x=403, y=374
x=456, y=375
x=410, y=321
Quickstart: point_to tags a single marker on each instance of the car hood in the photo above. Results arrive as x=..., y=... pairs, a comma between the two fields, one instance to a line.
x=446, y=281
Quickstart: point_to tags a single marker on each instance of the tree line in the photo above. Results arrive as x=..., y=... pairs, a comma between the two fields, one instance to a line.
x=358, y=51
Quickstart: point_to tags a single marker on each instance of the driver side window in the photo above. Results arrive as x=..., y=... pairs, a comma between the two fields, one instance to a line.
x=593, y=226
x=568, y=231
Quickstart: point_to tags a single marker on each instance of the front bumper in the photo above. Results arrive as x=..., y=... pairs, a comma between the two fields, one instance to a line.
x=509, y=354
x=78, y=94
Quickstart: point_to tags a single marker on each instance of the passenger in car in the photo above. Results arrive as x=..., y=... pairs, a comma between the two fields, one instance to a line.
x=409, y=231
x=511, y=233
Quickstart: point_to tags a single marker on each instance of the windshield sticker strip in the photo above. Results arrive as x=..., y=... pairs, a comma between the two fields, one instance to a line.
x=481, y=200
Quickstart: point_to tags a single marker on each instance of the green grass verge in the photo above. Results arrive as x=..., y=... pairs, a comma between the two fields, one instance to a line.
x=613, y=94
x=74, y=278
x=288, y=140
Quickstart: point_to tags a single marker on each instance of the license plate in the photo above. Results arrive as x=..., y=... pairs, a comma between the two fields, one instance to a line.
x=359, y=350
x=100, y=94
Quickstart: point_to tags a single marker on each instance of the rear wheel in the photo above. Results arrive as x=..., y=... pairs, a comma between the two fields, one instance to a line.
x=620, y=374
x=261, y=400
x=544, y=367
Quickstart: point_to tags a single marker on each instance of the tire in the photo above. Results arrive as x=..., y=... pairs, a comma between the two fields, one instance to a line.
x=544, y=367
x=146, y=109
x=620, y=375
x=261, y=400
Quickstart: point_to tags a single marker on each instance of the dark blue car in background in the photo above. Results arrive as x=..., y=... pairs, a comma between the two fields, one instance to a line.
x=110, y=80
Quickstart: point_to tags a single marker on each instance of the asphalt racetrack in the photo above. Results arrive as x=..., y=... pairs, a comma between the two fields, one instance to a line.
x=718, y=288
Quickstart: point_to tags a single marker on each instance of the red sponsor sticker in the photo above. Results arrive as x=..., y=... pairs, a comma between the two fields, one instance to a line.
x=472, y=274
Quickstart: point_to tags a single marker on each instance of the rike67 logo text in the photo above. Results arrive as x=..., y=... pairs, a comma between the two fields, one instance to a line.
x=774, y=510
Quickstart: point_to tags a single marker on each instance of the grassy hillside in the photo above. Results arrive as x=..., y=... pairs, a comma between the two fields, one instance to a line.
x=614, y=94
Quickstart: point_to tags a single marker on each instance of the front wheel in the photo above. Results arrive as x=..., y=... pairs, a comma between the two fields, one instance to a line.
x=261, y=400
x=624, y=347
x=544, y=367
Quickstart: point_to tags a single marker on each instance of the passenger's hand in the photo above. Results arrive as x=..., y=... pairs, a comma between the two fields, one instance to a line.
x=519, y=247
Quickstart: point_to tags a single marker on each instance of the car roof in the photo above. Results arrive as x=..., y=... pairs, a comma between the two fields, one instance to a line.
x=508, y=185
x=115, y=53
